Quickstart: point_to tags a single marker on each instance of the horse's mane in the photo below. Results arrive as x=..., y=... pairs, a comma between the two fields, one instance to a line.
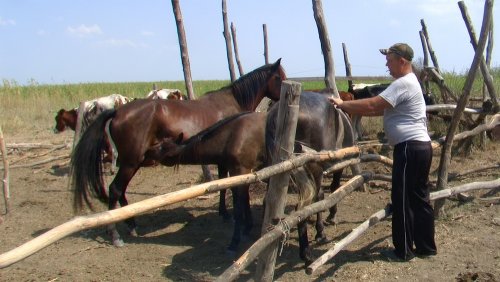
x=246, y=86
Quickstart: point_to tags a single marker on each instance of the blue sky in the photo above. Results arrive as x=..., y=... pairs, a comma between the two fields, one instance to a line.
x=61, y=41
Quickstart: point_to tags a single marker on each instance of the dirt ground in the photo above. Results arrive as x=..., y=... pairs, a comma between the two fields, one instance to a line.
x=187, y=241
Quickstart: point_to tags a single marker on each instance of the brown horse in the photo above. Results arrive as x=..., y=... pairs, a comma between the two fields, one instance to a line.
x=138, y=127
x=235, y=144
x=243, y=142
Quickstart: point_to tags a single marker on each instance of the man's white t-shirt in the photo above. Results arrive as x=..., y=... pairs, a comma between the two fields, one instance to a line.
x=406, y=119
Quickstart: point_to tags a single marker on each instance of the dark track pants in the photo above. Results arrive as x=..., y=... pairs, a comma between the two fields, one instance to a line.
x=413, y=215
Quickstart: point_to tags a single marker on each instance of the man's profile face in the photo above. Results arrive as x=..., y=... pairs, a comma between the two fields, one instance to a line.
x=393, y=63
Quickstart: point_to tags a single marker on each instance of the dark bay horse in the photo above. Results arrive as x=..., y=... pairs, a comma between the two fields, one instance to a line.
x=320, y=126
x=138, y=127
x=240, y=144
x=235, y=144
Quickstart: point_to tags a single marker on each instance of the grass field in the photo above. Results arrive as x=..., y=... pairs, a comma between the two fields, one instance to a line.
x=33, y=106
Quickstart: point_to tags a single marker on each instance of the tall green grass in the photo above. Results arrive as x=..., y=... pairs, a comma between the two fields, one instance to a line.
x=33, y=107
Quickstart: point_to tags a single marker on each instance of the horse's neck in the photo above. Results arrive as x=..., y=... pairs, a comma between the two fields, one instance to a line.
x=245, y=101
x=223, y=100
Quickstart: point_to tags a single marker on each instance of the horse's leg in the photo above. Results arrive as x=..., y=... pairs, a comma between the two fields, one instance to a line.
x=117, y=190
x=222, y=196
x=238, y=217
x=333, y=186
x=320, y=195
x=247, y=212
x=358, y=128
x=305, y=251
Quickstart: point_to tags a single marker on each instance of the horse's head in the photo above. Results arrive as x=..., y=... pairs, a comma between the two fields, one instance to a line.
x=175, y=94
x=262, y=82
x=277, y=76
x=60, y=126
x=65, y=119
x=172, y=147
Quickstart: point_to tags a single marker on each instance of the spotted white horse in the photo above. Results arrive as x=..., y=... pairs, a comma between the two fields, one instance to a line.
x=90, y=110
x=166, y=94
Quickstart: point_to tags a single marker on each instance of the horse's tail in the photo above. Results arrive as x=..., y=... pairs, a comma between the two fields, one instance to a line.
x=303, y=180
x=86, y=163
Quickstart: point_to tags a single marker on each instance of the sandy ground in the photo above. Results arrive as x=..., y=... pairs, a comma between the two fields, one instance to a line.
x=187, y=241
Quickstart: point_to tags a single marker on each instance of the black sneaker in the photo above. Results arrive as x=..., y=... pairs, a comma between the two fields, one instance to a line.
x=391, y=255
x=424, y=254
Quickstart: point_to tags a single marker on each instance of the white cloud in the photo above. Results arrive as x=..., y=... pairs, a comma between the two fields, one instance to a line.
x=147, y=33
x=42, y=32
x=5, y=22
x=394, y=23
x=83, y=30
x=122, y=43
x=438, y=7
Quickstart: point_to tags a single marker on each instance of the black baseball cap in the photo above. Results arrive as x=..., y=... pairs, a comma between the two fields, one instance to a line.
x=401, y=49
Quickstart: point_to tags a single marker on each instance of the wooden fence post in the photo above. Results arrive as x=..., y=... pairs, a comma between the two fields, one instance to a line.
x=236, y=53
x=266, y=52
x=186, y=66
x=325, y=47
x=278, y=185
x=347, y=66
x=464, y=98
x=6, y=190
x=227, y=37
x=488, y=80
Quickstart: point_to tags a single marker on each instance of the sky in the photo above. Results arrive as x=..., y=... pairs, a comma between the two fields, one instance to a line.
x=80, y=41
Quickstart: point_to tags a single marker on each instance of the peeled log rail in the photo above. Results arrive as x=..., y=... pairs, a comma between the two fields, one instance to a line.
x=80, y=223
x=33, y=145
x=287, y=223
x=378, y=216
x=39, y=162
x=432, y=108
x=495, y=121
x=363, y=158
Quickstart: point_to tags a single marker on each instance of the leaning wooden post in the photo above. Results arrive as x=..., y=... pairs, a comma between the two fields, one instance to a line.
x=488, y=80
x=429, y=46
x=464, y=98
x=266, y=51
x=325, y=47
x=6, y=191
x=236, y=53
x=426, y=60
x=489, y=47
x=227, y=37
x=278, y=185
x=347, y=66
x=186, y=66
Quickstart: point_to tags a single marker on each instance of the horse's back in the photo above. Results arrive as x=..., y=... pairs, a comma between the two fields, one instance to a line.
x=320, y=125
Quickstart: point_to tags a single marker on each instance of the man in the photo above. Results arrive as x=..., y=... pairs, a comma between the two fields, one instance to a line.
x=405, y=125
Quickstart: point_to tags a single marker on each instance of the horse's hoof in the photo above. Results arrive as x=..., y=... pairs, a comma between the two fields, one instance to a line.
x=231, y=252
x=133, y=233
x=118, y=243
x=330, y=221
x=321, y=239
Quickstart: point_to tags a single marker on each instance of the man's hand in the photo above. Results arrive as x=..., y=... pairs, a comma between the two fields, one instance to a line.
x=335, y=101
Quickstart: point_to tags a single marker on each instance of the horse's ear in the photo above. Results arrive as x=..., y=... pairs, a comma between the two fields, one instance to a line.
x=277, y=64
